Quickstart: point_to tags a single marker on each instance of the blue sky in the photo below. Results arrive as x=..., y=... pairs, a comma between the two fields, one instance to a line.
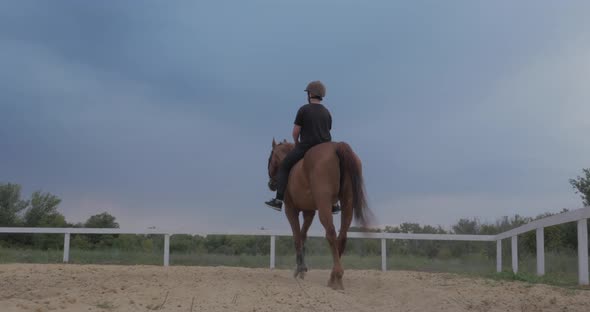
x=163, y=112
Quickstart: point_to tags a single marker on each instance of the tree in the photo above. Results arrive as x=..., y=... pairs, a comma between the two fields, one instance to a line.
x=103, y=220
x=43, y=213
x=582, y=186
x=43, y=210
x=466, y=226
x=11, y=205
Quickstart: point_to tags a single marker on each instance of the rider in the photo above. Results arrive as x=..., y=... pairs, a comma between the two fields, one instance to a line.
x=313, y=123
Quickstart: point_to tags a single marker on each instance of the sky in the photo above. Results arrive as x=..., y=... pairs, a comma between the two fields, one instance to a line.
x=162, y=113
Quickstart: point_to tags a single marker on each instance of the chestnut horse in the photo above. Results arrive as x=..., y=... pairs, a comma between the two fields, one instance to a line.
x=329, y=172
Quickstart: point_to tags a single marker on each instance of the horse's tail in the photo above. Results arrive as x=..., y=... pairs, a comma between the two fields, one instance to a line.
x=350, y=166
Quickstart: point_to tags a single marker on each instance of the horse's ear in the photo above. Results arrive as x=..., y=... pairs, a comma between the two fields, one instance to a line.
x=274, y=143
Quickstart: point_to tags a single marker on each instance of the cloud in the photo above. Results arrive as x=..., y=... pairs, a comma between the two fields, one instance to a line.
x=165, y=114
x=98, y=137
x=512, y=152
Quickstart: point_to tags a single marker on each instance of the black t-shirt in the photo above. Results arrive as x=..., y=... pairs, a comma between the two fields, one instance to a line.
x=316, y=122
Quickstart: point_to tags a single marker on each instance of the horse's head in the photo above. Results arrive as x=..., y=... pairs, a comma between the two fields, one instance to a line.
x=277, y=154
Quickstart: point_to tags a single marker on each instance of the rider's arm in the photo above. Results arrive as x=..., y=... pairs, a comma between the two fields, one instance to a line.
x=296, y=131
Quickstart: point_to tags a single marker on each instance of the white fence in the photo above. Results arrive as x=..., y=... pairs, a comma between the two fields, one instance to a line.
x=580, y=216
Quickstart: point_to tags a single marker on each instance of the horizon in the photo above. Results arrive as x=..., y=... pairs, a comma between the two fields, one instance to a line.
x=447, y=227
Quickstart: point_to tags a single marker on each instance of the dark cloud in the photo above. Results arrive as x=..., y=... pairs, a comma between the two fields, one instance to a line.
x=161, y=106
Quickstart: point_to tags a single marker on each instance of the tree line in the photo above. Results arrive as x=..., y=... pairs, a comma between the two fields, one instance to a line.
x=41, y=210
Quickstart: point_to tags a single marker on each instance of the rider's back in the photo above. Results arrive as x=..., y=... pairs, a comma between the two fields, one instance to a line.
x=316, y=122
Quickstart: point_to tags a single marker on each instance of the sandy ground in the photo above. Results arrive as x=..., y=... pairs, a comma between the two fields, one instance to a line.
x=33, y=287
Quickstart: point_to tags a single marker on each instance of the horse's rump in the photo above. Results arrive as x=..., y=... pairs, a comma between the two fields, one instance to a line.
x=318, y=173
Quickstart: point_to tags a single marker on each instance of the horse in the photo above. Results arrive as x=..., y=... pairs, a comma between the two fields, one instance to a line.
x=329, y=172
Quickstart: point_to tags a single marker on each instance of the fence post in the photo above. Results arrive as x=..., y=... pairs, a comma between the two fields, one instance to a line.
x=583, y=252
x=166, y=249
x=383, y=255
x=540, y=252
x=499, y=256
x=66, y=247
x=515, y=254
x=272, y=251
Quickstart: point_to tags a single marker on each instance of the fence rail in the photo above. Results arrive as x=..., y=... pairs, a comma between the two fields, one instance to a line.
x=580, y=216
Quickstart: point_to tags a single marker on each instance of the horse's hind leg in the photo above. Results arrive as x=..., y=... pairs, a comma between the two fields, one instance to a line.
x=325, y=212
x=307, y=220
x=293, y=217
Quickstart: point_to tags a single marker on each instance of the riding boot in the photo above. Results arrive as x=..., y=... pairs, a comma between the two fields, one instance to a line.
x=336, y=208
x=275, y=204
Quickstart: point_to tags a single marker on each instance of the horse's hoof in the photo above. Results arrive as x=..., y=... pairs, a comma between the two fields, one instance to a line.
x=299, y=275
x=300, y=272
x=336, y=285
x=302, y=275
